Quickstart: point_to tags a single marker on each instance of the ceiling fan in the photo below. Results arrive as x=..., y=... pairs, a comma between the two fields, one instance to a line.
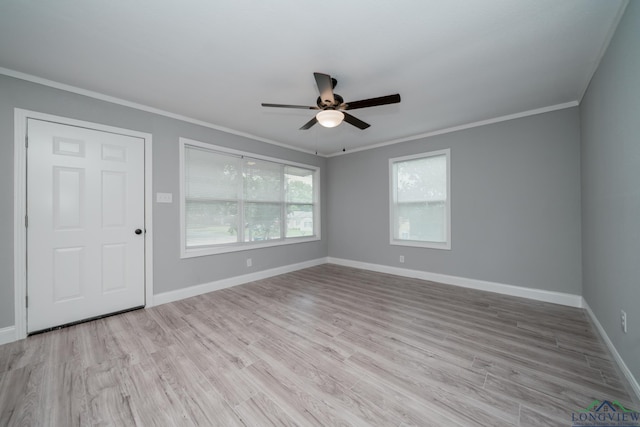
x=332, y=106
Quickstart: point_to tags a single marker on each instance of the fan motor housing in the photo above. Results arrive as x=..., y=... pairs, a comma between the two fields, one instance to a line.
x=338, y=100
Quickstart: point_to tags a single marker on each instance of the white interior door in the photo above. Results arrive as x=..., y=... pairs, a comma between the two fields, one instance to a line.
x=85, y=206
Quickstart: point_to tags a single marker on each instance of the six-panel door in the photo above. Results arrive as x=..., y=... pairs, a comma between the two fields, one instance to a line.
x=85, y=201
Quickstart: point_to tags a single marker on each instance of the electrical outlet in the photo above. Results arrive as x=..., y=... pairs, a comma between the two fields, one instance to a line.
x=402, y=259
x=623, y=321
x=249, y=263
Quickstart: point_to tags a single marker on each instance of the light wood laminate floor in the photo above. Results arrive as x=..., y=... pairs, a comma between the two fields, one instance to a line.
x=323, y=346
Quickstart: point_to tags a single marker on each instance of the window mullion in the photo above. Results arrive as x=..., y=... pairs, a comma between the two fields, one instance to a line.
x=240, y=193
x=283, y=213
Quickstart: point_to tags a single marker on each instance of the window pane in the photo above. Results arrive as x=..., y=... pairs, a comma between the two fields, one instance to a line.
x=262, y=221
x=421, y=221
x=299, y=220
x=210, y=223
x=422, y=179
x=211, y=175
x=299, y=185
x=231, y=201
x=420, y=209
x=262, y=181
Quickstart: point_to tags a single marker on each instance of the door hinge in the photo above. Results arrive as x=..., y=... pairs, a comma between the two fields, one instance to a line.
x=26, y=301
x=26, y=221
x=26, y=142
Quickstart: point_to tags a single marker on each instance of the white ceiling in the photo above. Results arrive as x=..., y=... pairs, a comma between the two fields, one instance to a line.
x=454, y=62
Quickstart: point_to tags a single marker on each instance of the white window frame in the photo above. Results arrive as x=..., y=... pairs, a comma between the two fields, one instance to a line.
x=242, y=246
x=393, y=198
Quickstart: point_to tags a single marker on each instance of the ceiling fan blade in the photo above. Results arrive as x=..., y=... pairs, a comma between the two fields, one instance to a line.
x=325, y=86
x=373, y=102
x=309, y=124
x=355, y=121
x=303, y=107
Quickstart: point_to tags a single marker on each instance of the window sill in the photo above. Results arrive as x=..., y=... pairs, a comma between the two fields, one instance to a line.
x=418, y=244
x=237, y=247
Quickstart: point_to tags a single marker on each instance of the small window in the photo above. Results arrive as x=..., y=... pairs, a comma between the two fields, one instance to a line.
x=235, y=201
x=420, y=210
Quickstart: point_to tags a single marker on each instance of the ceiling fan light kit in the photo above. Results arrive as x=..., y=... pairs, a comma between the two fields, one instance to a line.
x=330, y=118
x=332, y=106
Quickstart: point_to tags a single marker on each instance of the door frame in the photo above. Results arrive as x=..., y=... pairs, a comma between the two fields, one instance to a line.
x=20, y=207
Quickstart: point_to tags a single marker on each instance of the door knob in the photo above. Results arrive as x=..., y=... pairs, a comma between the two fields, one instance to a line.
x=138, y=231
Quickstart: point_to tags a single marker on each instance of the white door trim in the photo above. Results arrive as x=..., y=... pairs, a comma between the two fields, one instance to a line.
x=20, y=202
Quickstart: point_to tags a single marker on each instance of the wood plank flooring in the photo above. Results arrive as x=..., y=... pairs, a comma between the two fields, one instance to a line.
x=324, y=346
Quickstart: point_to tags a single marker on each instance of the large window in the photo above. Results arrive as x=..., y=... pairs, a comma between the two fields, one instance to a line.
x=421, y=200
x=234, y=201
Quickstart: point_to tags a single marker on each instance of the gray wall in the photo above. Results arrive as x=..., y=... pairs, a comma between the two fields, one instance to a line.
x=170, y=272
x=610, y=119
x=515, y=204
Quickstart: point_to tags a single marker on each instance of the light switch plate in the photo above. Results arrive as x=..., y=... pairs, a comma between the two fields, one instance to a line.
x=164, y=197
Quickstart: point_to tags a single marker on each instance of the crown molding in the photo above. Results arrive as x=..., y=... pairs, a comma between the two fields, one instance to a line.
x=142, y=107
x=463, y=127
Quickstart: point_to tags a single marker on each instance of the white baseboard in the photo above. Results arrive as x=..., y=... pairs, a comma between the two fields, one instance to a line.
x=204, y=288
x=501, y=288
x=7, y=335
x=623, y=366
